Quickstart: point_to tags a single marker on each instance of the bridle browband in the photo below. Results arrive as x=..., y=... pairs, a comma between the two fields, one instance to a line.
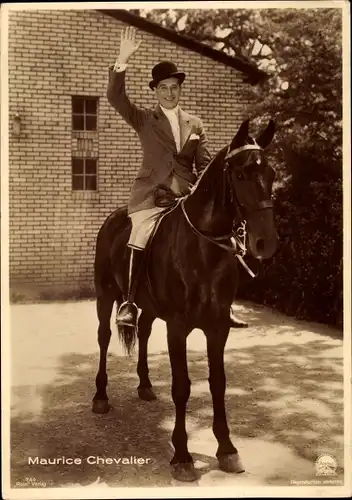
x=236, y=151
x=238, y=239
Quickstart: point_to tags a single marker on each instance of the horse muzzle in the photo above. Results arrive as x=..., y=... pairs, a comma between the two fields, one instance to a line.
x=263, y=247
x=262, y=235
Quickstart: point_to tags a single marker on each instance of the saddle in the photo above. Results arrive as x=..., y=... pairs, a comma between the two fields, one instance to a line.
x=164, y=197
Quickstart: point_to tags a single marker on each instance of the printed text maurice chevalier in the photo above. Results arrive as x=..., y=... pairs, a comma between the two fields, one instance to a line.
x=91, y=460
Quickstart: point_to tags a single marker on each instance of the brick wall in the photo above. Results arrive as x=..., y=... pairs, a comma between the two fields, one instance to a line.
x=52, y=56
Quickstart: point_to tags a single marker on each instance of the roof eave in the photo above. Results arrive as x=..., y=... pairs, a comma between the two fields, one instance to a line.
x=253, y=74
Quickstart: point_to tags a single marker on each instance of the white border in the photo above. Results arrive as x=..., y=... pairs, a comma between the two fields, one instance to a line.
x=172, y=492
x=346, y=138
x=5, y=292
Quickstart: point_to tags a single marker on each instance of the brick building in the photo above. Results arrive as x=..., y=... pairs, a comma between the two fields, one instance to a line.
x=72, y=159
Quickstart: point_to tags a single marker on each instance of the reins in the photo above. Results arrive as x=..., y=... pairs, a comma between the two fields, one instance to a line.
x=212, y=239
x=238, y=239
x=237, y=246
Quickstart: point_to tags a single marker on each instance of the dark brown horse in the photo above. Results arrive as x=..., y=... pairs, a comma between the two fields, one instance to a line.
x=190, y=280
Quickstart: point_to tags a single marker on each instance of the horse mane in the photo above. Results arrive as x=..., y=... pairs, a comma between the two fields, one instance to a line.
x=206, y=170
x=215, y=158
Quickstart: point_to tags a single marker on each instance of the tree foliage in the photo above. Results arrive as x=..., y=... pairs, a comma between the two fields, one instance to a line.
x=305, y=276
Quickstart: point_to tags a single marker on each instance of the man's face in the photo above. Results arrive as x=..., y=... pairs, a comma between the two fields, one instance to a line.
x=168, y=92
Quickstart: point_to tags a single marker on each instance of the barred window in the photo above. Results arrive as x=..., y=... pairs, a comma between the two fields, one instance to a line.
x=84, y=174
x=84, y=113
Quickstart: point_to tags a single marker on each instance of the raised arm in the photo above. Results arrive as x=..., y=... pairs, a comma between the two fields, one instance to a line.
x=116, y=92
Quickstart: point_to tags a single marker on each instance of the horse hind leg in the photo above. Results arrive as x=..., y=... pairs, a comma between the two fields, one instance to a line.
x=145, y=389
x=105, y=302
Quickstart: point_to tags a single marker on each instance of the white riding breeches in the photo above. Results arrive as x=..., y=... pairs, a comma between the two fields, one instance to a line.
x=143, y=221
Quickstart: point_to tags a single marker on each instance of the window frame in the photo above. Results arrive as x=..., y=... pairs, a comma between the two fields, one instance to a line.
x=84, y=175
x=75, y=100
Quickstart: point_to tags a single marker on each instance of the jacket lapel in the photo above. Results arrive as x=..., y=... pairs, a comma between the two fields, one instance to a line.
x=185, y=126
x=163, y=129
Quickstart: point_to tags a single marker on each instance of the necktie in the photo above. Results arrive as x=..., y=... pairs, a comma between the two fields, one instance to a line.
x=172, y=116
x=175, y=126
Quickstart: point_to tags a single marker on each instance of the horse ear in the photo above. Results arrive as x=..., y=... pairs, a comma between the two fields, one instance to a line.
x=241, y=135
x=264, y=139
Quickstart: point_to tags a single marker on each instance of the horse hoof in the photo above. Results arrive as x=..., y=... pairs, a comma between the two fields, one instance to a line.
x=101, y=406
x=184, y=472
x=231, y=463
x=237, y=323
x=146, y=393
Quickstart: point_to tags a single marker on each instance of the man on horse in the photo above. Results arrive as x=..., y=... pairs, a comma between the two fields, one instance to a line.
x=172, y=140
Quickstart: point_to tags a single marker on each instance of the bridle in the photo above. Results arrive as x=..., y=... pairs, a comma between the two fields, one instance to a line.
x=238, y=239
x=260, y=205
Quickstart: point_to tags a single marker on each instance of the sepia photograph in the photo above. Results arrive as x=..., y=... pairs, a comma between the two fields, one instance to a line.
x=175, y=249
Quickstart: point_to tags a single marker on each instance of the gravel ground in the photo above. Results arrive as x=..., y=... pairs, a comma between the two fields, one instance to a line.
x=284, y=401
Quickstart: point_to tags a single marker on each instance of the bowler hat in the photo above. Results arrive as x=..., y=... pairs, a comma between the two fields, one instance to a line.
x=163, y=70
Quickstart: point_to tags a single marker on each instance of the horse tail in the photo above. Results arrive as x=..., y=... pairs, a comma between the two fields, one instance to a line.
x=128, y=337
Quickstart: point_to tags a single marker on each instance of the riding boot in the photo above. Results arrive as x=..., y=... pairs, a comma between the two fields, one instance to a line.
x=235, y=322
x=128, y=311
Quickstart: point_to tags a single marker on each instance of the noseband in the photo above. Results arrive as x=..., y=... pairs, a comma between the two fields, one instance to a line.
x=238, y=238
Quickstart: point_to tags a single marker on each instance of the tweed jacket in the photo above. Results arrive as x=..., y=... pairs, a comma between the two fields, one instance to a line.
x=160, y=158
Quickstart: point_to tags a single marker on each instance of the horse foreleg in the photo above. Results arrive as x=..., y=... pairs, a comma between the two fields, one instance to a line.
x=182, y=463
x=227, y=454
x=105, y=304
x=145, y=389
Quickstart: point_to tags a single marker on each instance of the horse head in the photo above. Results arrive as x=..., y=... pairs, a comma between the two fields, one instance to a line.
x=236, y=187
x=249, y=181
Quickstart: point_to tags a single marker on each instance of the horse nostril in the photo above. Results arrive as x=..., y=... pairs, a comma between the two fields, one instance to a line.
x=260, y=245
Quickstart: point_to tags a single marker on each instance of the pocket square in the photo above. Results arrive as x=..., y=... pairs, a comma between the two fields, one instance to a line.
x=194, y=137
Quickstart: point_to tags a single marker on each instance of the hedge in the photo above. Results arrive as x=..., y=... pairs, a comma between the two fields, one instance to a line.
x=304, y=278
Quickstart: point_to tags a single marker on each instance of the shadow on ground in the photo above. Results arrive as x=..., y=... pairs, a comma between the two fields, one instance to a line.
x=287, y=393
x=66, y=427
x=263, y=318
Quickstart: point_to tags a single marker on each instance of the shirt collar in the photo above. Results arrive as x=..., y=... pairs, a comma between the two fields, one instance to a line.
x=170, y=111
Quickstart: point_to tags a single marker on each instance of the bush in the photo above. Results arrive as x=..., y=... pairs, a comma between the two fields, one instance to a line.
x=305, y=276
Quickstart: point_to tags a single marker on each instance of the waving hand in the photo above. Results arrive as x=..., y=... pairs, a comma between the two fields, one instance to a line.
x=128, y=44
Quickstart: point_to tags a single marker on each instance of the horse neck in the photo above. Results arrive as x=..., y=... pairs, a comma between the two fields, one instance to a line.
x=206, y=205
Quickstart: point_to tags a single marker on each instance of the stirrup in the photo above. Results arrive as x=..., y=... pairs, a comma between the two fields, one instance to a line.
x=129, y=317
